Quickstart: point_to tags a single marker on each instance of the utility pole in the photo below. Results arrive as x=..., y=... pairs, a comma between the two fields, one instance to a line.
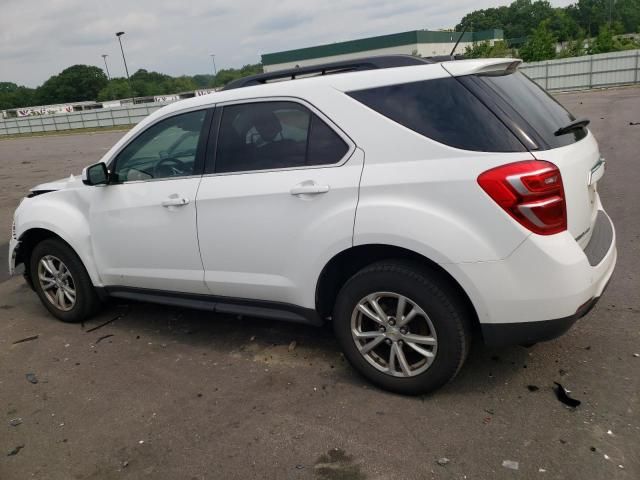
x=213, y=60
x=119, y=34
x=104, y=57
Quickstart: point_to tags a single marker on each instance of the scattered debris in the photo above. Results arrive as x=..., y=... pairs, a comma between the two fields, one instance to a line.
x=27, y=339
x=292, y=346
x=31, y=377
x=490, y=411
x=593, y=449
x=563, y=395
x=636, y=355
x=621, y=466
x=510, y=464
x=253, y=337
x=141, y=442
x=14, y=422
x=542, y=470
x=533, y=388
x=609, y=432
x=634, y=123
x=125, y=464
x=606, y=457
x=105, y=323
x=299, y=467
x=443, y=461
x=104, y=337
x=15, y=450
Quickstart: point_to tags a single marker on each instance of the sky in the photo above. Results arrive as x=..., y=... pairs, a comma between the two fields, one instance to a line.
x=39, y=38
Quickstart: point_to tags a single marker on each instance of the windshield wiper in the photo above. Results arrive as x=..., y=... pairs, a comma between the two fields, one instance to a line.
x=575, y=125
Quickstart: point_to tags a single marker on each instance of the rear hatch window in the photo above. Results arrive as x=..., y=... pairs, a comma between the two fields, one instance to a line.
x=533, y=114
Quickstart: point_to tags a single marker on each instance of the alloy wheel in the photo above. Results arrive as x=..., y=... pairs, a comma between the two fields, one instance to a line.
x=394, y=334
x=57, y=283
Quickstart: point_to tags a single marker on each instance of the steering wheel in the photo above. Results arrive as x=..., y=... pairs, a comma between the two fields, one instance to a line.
x=169, y=167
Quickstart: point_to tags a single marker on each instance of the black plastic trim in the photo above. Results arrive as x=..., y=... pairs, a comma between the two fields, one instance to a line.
x=217, y=304
x=601, y=239
x=528, y=333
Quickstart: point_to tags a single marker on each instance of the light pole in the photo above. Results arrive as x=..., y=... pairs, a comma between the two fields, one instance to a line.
x=213, y=60
x=119, y=34
x=104, y=57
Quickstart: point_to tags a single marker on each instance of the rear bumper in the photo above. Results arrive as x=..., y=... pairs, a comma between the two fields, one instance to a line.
x=528, y=333
x=547, y=277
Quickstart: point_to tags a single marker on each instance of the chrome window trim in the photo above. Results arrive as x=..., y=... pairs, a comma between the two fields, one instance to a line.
x=312, y=108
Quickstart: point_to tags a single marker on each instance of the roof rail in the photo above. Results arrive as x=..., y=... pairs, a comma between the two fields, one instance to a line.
x=358, y=64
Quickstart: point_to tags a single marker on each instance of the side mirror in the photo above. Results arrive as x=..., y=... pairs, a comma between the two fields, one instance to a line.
x=96, y=174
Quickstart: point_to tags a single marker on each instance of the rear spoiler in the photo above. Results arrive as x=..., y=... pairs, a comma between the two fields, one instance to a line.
x=482, y=66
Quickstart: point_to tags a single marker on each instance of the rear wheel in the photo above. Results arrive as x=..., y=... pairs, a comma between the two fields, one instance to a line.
x=402, y=327
x=61, y=281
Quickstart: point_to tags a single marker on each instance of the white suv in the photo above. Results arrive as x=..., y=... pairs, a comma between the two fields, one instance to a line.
x=412, y=203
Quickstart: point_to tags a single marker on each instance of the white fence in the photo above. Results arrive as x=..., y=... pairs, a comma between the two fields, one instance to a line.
x=589, y=71
x=102, y=117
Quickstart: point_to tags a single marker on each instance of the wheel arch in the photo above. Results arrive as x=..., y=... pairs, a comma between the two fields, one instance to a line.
x=35, y=235
x=346, y=263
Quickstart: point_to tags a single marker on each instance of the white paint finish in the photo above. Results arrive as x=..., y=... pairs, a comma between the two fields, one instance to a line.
x=547, y=277
x=139, y=243
x=259, y=241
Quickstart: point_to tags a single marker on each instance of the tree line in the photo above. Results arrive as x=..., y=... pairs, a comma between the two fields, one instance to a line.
x=88, y=83
x=533, y=28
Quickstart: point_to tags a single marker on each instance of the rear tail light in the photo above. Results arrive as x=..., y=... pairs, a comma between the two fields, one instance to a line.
x=531, y=192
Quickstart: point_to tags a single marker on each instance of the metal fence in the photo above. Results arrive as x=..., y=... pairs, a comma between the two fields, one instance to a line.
x=589, y=71
x=103, y=117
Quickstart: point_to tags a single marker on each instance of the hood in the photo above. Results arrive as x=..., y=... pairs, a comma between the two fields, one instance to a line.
x=72, y=181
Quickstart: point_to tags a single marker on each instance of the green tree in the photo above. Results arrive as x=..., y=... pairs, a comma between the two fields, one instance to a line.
x=15, y=96
x=603, y=43
x=74, y=84
x=486, y=50
x=116, y=89
x=541, y=45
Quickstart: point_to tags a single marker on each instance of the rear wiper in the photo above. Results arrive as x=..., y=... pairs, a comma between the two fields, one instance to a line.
x=575, y=125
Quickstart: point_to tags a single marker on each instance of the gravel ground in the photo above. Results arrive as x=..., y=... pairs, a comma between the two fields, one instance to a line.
x=166, y=393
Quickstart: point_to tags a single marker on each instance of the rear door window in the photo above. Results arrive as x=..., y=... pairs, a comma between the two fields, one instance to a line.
x=272, y=135
x=443, y=110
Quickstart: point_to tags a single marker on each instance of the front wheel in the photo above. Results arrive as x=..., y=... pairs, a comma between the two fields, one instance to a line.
x=402, y=327
x=61, y=281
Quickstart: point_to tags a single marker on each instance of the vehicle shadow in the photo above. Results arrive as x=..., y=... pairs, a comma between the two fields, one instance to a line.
x=255, y=338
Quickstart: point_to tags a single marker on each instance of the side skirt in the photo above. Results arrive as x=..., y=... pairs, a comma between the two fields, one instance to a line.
x=215, y=304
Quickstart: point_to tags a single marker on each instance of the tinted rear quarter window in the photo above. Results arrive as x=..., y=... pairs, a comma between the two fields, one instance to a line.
x=529, y=106
x=443, y=110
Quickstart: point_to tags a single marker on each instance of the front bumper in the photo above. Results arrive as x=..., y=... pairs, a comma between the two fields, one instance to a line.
x=547, y=277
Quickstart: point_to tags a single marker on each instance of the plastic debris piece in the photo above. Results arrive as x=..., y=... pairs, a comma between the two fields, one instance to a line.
x=606, y=457
x=636, y=355
x=563, y=395
x=510, y=464
x=443, y=461
x=14, y=422
x=105, y=323
x=542, y=470
x=292, y=346
x=533, y=388
x=15, y=450
x=27, y=339
x=104, y=337
x=609, y=432
x=31, y=377
x=299, y=467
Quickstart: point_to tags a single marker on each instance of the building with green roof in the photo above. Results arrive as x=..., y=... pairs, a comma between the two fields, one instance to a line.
x=423, y=42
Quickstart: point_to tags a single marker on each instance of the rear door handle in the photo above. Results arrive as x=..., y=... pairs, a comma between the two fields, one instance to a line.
x=175, y=200
x=309, y=188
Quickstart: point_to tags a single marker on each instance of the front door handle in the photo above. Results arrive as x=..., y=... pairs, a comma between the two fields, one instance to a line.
x=175, y=200
x=309, y=188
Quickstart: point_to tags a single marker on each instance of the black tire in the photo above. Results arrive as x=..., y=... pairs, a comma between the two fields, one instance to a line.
x=86, y=299
x=430, y=291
